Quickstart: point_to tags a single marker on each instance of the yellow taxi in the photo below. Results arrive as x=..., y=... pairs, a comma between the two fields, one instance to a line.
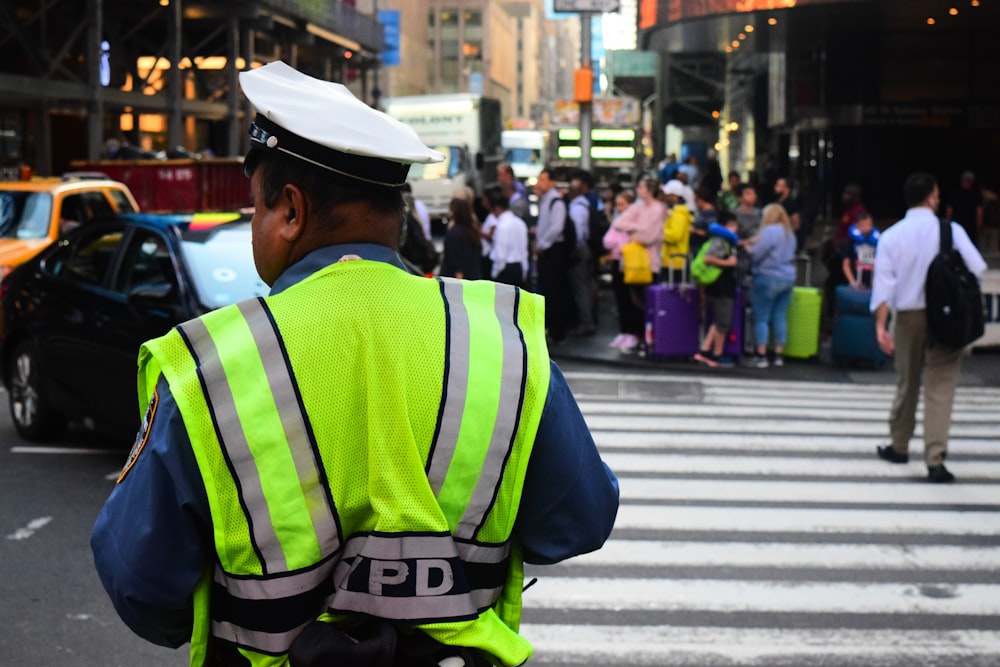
x=35, y=211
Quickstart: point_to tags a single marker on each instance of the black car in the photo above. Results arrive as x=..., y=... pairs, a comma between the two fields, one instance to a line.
x=75, y=315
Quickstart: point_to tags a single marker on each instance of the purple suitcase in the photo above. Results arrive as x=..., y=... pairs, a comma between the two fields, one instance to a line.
x=734, y=339
x=672, y=313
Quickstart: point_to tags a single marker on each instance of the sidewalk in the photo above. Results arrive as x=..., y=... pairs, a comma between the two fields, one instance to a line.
x=979, y=369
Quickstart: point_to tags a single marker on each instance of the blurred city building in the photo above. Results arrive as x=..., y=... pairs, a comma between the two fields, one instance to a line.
x=829, y=91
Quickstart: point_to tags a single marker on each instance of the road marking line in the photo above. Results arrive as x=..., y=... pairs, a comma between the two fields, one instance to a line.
x=618, y=553
x=727, y=595
x=625, y=464
x=793, y=492
x=30, y=449
x=809, y=521
x=27, y=531
x=666, y=646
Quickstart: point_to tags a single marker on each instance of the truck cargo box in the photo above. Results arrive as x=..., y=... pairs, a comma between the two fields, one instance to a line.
x=212, y=184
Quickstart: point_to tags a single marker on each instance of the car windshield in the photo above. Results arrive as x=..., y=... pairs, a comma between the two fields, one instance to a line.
x=436, y=170
x=522, y=155
x=220, y=261
x=25, y=215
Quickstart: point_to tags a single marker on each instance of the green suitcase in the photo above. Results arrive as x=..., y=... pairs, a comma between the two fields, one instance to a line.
x=804, y=313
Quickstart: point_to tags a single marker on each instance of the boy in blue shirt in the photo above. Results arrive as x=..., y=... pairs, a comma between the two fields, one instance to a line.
x=858, y=252
x=721, y=252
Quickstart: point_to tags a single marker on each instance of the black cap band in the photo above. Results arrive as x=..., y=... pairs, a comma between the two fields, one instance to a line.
x=377, y=171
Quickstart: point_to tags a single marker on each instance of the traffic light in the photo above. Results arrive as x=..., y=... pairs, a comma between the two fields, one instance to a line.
x=583, y=84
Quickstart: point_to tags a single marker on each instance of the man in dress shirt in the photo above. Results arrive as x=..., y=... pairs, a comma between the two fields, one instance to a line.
x=905, y=251
x=509, y=255
x=553, y=257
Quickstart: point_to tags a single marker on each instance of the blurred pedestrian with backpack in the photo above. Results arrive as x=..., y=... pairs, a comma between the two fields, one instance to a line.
x=720, y=291
x=554, y=256
x=904, y=255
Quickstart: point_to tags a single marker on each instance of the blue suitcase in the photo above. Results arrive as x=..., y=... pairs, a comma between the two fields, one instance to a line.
x=851, y=300
x=854, y=338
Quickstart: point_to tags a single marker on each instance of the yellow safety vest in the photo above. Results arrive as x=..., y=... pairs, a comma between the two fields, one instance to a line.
x=367, y=458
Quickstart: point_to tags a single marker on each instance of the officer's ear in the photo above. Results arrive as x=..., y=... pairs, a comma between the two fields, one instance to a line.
x=296, y=212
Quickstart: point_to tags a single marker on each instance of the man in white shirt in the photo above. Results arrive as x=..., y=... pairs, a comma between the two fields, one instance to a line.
x=509, y=255
x=905, y=251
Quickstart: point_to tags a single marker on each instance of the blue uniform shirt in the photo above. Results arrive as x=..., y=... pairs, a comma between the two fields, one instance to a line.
x=152, y=541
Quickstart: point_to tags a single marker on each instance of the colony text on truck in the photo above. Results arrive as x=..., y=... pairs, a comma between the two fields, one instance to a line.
x=464, y=127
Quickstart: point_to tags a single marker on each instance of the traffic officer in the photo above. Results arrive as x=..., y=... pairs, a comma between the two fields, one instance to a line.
x=354, y=469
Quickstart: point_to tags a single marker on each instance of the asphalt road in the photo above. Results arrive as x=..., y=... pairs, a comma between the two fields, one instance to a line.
x=54, y=610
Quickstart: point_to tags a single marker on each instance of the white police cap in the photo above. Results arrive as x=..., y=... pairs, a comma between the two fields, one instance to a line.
x=332, y=128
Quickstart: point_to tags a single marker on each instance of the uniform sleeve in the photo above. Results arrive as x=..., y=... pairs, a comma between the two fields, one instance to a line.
x=570, y=497
x=150, y=539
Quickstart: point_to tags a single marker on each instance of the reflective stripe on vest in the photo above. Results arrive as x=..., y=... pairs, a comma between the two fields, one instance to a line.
x=455, y=406
x=416, y=578
x=301, y=444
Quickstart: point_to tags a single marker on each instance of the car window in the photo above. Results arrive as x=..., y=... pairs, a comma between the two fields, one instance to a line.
x=146, y=262
x=25, y=215
x=122, y=202
x=220, y=264
x=88, y=258
x=83, y=207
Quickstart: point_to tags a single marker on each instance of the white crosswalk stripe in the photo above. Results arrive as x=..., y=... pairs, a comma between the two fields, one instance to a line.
x=757, y=527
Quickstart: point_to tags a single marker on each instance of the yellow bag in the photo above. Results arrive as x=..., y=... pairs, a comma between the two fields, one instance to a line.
x=635, y=264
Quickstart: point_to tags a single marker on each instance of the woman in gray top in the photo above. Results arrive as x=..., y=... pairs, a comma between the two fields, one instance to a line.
x=772, y=279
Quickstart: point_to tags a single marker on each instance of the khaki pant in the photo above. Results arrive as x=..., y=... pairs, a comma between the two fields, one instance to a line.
x=939, y=367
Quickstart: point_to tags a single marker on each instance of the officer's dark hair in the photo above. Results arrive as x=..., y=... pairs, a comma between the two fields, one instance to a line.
x=496, y=198
x=918, y=187
x=326, y=189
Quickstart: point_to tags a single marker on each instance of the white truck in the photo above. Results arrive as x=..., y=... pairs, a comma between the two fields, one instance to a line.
x=526, y=151
x=464, y=127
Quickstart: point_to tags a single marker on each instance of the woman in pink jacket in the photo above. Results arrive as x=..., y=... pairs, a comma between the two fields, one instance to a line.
x=642, y=222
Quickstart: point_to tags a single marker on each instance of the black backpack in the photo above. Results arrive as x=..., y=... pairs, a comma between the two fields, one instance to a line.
x=954, y=300
x=569, y=227
x=599, y=225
